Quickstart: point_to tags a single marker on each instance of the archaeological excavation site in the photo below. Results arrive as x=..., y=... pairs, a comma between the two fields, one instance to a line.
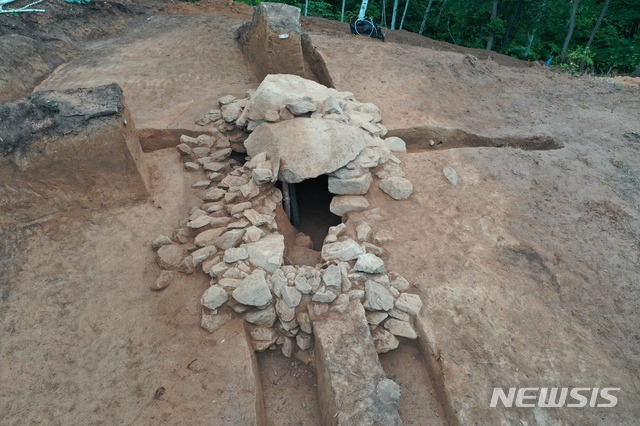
x=212, y=213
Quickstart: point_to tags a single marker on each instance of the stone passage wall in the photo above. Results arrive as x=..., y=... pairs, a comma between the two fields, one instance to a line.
x=271, y=40
x=66, y=150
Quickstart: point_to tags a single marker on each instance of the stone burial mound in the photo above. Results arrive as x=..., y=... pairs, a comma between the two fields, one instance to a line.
x=243, y=239
x=65, y=150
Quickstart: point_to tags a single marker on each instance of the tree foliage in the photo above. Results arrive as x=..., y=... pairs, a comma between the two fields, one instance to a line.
x=528, y=29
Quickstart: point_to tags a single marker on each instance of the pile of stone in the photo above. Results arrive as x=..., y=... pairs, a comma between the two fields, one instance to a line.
x=293, y=129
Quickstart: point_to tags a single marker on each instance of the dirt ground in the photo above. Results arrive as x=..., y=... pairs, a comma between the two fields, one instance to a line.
x=528, y=267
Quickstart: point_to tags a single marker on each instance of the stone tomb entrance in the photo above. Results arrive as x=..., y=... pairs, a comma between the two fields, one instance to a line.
x=309, y=209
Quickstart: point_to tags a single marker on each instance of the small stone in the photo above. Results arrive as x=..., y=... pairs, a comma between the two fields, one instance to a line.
x=356, y=294
x=382, y=237
x=232, y=255
x=232, y=181
x=229, y=239
x=254, y=290
x=239, y=224
x=323, y=296
x=165, y=279
x=409, y=303
x=201, y=184
x=219, y=222
x=278, y=282
x=208, y=237
x=230, y=283
x=451, y=175
x=205, y=141
x=302, y=284
x=263, y=337
x=342, y=250
x=191, y=166
x=389, y=392
x=169, y=257
x=287, y=347
x=352, y=186
x=291, y=295
x=341, y=303
x=268, y=252
x=378, y=297
x=213, y=322
x=234, y=272
x=184, y=149
x=212, y=194
x=396, y=187
x=253, y=234
x=250, y=190
x=202, y=254
x=363, y=231
x=376, y=317
x=201, y=151
x=218, y=269
x=371, y=248
x=188, y=140
x=384, y=341
x=262, y=175
x=256, y=218
x=400, y=328
x=221, y=154
x=344, y=275
x=332, y=278
x=301, y=107
x=400, y=284
x=231, y=112
x=370, y=263
x=304, y=322
x=215, y=176
x=304, y=341
x=160, y=241
x=264, y=317
x=240, y=207
x=214, y=297
x=341, y=204
x=285, y=312
x=337, y=230
x=199, y=222
x=398, y=314
x=226, y=100
x=395, y=144
x=213, y=166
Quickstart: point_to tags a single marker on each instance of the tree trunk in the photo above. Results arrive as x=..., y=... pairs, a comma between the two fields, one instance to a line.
x=342, y=13
x=404, y=14
x=393, y=16
x=512, y=21
x=535, y=27
x=306, y=7
x=363, y=9
x=494, y=13
x=598, y=22
x=424, y=19
x=572, y=24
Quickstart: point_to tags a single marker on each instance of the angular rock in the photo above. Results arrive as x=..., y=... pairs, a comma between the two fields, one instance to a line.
x=350, y=186
x=253, y=234
x=409, y=303
x=369, y=263
x=256, y=218
x=323, y=296
x=191, y=166
x=304, y=322
x=291, y=295
x=214, y=297
x=278, y=282
x=165, y=279
x=396, y=144
x=396, y=187
x=363, y=231
x=213, y=322
x=382, y=237
x=378, y=297
x=264, y=317
x=199, y=222
x=231, y=112
x=208, y=237
x=384, y=341
x=376, y=317
x=232, y=255
x=229, y=239
x=169, y=257
x=302, y=284
x=332, y=278
x=342, y=250
x=232, y=181
x=267, y=253
x=160, y=241
x=212, y=194
x=389, y=392
x=306, y=147
x=304, y=341
x=287, y=347
x=253, y=291
x=342, y=204
x=202, y=254
x=400, y=328
x=301, y=107
x=285, y=312
x=398, y=314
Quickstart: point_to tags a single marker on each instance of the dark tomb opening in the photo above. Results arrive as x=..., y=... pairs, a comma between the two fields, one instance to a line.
x=310, y=212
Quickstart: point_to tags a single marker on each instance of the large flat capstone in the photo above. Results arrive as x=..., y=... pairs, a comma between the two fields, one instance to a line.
x=352, y=386
x=307, y=147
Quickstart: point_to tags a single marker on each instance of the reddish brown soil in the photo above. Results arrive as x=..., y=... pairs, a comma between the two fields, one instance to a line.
x=529, y=267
